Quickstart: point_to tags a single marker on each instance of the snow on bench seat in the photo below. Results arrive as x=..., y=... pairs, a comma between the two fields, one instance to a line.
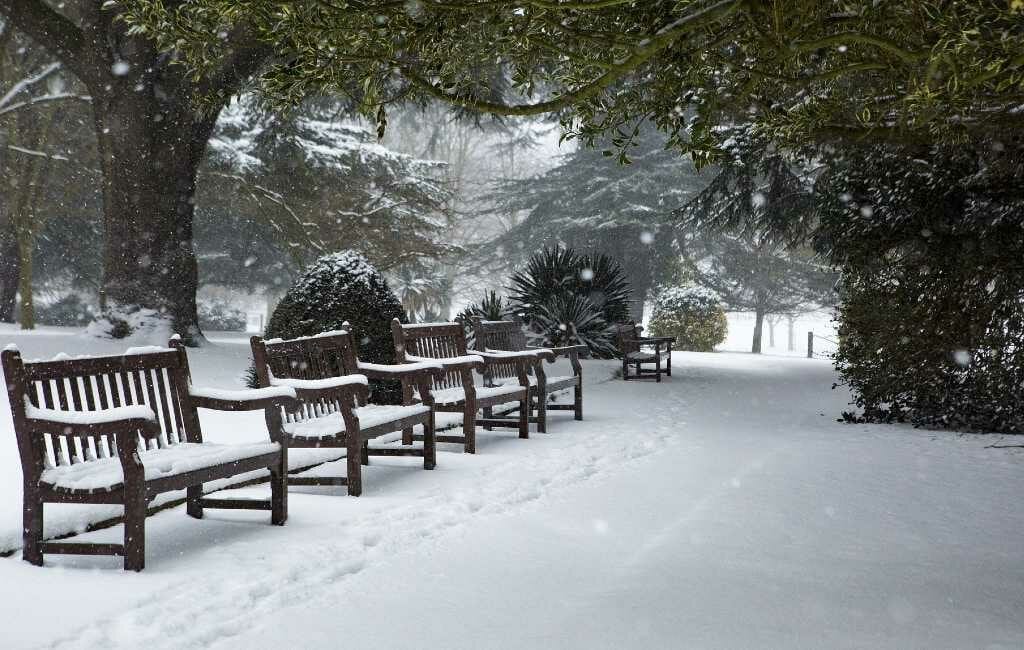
x=458, y=394
x=102, y=416
x=640, y=356
x=371, y=415
x=107, y=474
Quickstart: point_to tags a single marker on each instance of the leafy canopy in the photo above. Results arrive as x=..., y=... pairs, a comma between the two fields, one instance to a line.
x=799, y=71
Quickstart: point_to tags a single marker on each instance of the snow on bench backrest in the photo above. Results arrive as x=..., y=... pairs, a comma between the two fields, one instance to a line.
x=153, y=377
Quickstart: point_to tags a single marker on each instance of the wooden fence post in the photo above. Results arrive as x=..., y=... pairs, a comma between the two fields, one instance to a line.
x=810, y=345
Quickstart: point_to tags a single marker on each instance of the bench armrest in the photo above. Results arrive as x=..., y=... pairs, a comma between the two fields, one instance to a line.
x=400, y=370
x=467, y=362
x=311, y=389
x=248, y=399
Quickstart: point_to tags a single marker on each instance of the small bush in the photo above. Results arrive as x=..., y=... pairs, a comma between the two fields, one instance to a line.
x=337, y=288
x=220, y=316
x=693, y=315
x=69, y=311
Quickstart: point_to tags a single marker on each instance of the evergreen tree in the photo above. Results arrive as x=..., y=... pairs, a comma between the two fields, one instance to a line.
x=591, y=203
x=745, y=229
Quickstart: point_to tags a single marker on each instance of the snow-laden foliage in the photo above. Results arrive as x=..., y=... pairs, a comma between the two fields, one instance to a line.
x=693, y=315
x=931, y=320
x=546, y=289
x=343, y=287
x=317, y=184
x=746, y=231
x=132, y=325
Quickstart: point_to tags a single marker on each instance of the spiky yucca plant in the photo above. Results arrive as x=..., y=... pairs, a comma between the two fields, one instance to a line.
x=547, y=288
x=574, y=320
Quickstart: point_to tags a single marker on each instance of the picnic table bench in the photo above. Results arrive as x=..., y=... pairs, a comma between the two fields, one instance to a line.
x=333, y=410
x=123, y=429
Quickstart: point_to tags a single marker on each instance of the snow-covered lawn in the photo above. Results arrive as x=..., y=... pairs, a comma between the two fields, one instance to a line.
x=724, y=507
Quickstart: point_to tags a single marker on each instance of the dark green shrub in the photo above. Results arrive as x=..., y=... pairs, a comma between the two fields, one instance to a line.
x=337, y=288
x=931, y=316
x=693, y=315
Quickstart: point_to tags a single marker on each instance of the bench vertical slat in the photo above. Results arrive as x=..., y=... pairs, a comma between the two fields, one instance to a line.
x=165, y=408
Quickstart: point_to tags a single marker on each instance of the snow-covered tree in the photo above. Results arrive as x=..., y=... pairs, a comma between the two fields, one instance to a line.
x=745, y=232
x=590, y=202
x=296, y=186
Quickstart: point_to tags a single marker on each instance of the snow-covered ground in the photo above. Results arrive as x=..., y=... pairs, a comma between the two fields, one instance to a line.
x=724, y=507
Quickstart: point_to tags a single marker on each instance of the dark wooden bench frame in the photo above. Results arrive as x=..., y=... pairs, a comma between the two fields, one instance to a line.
x=161, y=381
x=630, y=341
x=508, y=336
x=332, y=355
x=445, y=343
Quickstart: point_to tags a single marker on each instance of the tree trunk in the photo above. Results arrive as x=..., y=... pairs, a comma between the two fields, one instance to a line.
x=26, y=246
x=9, y=267
x=150, y=150
x=791, y=325
x=758, y=329
x=771, y=332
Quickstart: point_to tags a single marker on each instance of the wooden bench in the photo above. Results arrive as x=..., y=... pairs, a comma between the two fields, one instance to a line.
x=508, y=336
x=331, y=384
x=631, y=347
x=455, y=391
x=123, y=429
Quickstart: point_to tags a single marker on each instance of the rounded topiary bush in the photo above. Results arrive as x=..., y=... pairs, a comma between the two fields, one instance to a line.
x=342, y=287
x=693, y=315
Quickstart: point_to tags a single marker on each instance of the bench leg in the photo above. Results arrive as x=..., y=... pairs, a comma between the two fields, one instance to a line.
x=407, y=436
x=488, y=414
x=524, y=417
x=355, y=470
x=279, y=491
x=668, y=361
x=542, y=412
x=625, y=369
x=32, y=531
x=365, y=454
x=578, y=400
x=657, y=368
x=193, y=504
x=429, y=444
x=469, y=431
x=134, y=531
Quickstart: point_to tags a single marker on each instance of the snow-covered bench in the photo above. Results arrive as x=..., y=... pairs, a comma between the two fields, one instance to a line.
x=505, y=342
x=454, y=391
x=123, y=429
x=331, y=384
x=638, y=351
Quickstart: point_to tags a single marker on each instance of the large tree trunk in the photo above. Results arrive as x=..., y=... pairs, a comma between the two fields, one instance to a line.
x=9, y=266
x=150, y=148
x=758, y=330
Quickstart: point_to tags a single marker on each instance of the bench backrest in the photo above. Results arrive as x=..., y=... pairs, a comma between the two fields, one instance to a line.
x=503, y=335
x=627, y=334
x=432, y=340
x=154, y=377
x=331, y=354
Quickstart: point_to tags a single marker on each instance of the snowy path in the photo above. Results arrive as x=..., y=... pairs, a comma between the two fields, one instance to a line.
x=737, y=513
